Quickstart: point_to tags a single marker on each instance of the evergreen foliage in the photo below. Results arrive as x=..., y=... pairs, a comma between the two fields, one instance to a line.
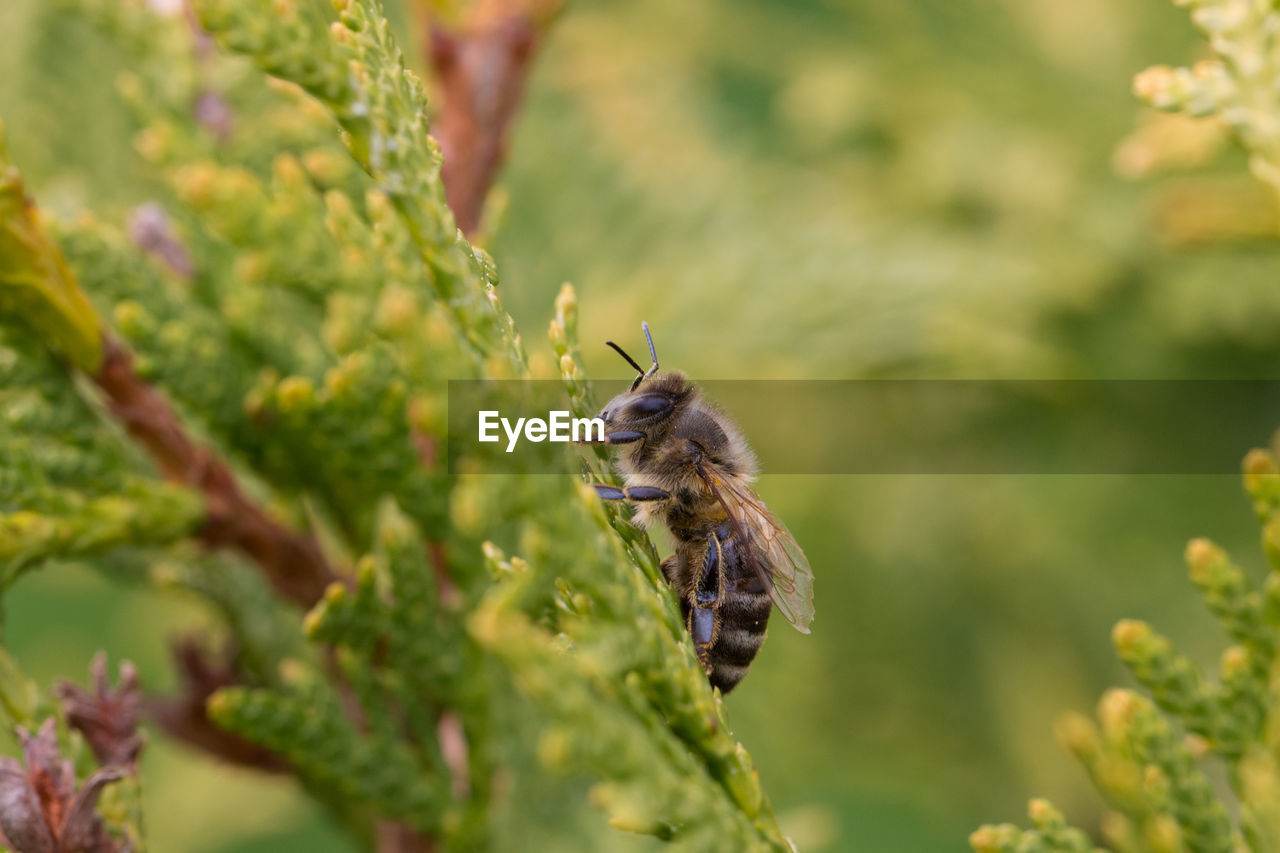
x=242, y=395
x=1145, y=755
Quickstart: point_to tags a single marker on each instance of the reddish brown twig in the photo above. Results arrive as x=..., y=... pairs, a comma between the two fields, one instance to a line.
x=184, y=716
x=480, y=67
x=292, y=561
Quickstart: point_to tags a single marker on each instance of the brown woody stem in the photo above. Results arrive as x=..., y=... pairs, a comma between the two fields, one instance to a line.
x=184, y=716
x=292, y=561
x=480, y=68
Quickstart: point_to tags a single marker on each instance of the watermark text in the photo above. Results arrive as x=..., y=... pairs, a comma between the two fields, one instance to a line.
x=559, y=426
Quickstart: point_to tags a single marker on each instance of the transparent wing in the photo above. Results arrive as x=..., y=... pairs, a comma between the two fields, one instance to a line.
x=774, y=551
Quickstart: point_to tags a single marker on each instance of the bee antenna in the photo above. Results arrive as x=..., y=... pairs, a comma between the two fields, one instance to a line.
x=653, y=353
x=631, y=361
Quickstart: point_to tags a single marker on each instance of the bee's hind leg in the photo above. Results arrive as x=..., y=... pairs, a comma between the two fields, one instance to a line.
x=633, y=494
x=703, y=616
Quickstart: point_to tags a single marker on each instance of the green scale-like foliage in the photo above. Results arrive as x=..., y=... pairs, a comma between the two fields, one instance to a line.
x=1146, y=756
x=303, y=313
x=69, y=486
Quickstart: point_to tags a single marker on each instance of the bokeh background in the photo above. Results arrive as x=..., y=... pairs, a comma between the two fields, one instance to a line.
x=816, y=190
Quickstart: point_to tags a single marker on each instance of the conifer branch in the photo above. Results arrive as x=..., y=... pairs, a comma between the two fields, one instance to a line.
x=480, y=64
x=1146, y=756
x=304, y=309
x=292, y=561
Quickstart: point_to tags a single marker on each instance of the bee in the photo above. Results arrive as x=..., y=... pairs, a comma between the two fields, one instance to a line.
x=686, y=464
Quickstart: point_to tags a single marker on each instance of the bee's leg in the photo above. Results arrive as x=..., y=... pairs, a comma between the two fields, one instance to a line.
x=703, y=618
x=635, y=493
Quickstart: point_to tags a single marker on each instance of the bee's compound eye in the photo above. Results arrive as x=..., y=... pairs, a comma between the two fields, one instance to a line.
x=648, y=406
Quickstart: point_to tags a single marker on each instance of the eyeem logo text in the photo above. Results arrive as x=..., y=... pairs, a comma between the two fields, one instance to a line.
x=558, y=427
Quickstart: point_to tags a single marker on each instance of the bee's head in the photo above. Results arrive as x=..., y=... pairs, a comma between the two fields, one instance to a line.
x=652, y=399
x=649, y=405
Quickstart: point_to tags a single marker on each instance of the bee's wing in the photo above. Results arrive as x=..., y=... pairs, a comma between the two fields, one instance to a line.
x=785, y=568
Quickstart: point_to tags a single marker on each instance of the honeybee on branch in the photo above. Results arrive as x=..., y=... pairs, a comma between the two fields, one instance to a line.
x=685, y=463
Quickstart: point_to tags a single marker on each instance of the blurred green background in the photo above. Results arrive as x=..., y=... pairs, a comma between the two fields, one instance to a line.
x=859, y=189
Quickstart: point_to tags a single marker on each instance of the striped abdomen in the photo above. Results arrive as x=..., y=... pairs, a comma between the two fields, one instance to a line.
x=724, y=602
